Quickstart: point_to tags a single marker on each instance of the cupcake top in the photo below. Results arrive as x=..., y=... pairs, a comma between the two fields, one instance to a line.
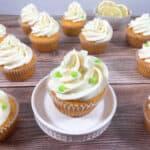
x=141, y=25
x=4, y=107
x=29, y=14
x=144, y=52
x=45, y=26
x=75, y=12
x=79, y=76
x=97, y=30
x=2, y=30
x=110, y=8
x=13, y=53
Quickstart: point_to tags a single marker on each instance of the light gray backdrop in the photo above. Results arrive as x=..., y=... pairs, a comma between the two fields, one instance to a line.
x=57, y=7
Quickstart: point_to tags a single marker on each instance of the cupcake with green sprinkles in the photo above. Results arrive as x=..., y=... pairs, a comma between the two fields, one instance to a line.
x=8, y=115
x=78, y=84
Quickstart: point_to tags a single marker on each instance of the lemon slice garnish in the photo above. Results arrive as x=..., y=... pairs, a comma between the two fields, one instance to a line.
x=110, y=8
x=124, y=10
x=107, y=3
x=110, y=11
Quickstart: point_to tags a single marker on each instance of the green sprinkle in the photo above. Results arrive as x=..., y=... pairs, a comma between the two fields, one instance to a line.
x=82, y=16
x=4, y=106
x=74, y=74
x=62, y=88
x=58, y=74
x=97, y=61
x=146, y=44
x=75, y=13
x=92, y=80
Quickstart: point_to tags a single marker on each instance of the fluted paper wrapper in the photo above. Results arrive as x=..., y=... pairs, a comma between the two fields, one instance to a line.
x=46, y=44
x=26, y=28
x=10, y=124
x=93, y=47
x=2, y=38
x=21, y=73
x=146, y=117
x=143, y=67
x=135, y=40
x=77, y=108
x=71, y=30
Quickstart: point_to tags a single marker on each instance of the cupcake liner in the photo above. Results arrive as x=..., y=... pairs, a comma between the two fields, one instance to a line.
x=46, y=44
x=92, y=47
x=117, y=23
x=72, y=29
x=146, y=118
x=10, y=124
x=76, y=108
x=135, y=40
x=25, y=27
x=2, y=38
x=21, y=73
x=143, y=67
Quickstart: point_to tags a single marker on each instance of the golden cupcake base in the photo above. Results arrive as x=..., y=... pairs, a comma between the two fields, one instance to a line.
x=2, y=38
x=71, y=28
x=45, y=44
x=76, y=108
x=143, y=67
x=92, y=47
x=26, y=28
x=21, y=73
x=135, y=40
x=146, y=110
x=9, y=125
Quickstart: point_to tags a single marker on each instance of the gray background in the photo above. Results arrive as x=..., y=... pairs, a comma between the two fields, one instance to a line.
x=57, y=7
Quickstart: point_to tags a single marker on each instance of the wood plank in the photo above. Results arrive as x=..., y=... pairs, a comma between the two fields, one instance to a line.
x=122, y=69
x=119, y=57
x=126, y=131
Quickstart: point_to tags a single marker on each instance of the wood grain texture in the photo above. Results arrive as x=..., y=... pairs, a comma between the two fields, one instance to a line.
x=126, y=131
x=119, y=57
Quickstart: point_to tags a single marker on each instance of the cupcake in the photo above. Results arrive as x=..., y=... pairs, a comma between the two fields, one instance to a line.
x=118, y=15
x=146, y=110
x=96, y=35
x=8, y=115
x=73, y=20
x=45, y=33
x=138, y=31
x=78, y=84
x=17, y=61
x=143, y=60
x=2, y=32
x=29, y=16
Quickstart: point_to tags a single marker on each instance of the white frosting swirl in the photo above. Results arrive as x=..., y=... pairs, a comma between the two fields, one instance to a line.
x=46, y=26
x=4, y=107
x=75, y=12
x=141, y=25
x=2, y=30
x=13, y=53
x=29, y=14
x=97, y=30
x=144, y=52
x=79, y=76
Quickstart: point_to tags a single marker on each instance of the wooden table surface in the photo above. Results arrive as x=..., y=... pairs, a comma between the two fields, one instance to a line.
x=126, y=131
